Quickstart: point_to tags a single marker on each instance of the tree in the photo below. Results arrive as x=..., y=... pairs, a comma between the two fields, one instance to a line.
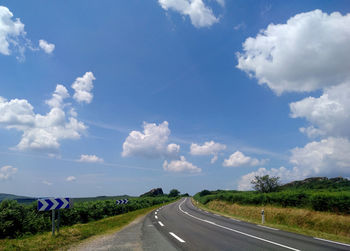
x=174, y=193
x=265, y=184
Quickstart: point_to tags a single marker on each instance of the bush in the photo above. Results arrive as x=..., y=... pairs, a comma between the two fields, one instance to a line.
x=18, y=219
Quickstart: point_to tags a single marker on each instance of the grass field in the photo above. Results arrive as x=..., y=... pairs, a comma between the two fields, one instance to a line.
x=73, y=234
x=303, y=221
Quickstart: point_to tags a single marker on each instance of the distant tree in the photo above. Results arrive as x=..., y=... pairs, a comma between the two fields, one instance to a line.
x=174, y=193
x=204, y=193
x=265, y=184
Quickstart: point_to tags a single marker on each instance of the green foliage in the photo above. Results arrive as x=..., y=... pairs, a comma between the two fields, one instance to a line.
x=18, y=219
x=338, y=202
x=174, y=193
x=265, y=184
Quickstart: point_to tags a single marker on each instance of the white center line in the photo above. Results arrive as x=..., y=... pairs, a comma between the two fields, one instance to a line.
x=335, y=242
x=155, y=213
x=177, y=237
x=233, y=230
x=156, y=217
x=160, y=223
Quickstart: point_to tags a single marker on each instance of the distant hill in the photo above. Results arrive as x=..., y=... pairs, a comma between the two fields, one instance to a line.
x=337, y=183
x=152, y=193
x=28, y=200
x=19, y=198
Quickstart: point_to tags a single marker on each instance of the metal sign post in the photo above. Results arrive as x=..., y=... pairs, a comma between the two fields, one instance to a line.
x=53, y=205
x=53, y=222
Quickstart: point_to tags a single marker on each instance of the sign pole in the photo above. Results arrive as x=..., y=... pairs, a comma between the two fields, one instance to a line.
x=53, y=222
x=58, y=221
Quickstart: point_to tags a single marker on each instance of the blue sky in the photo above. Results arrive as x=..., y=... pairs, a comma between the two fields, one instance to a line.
x=118, y=97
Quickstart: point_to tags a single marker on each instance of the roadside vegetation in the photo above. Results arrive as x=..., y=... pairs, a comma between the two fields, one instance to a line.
x=316, y=206
x=71, y=235
x=18, y=220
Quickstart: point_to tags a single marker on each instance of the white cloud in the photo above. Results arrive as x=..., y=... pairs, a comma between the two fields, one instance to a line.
x=47, y=183
x=90, y=158
x=71, y=178
x=208, y=148
x=326, y=157
x=45, y=46
x=11, y=30
x=285, y=175
x=6, y=172
x=221, y=2
x=181, y=165
x=151, y=143
x=41, y=132
x=329, y=115
x=83, y=86
x=58, y=96
x=239, y=159
x=200, y=14
x=307, y=53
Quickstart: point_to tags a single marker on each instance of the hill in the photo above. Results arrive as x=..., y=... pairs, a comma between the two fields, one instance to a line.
x=316, y=183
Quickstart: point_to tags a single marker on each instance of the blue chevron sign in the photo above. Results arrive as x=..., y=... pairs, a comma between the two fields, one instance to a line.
x=54, y=203
x=123, y=201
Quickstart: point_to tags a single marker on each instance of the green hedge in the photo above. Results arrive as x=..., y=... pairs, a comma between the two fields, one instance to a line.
x=338, y=202
x=18, y=219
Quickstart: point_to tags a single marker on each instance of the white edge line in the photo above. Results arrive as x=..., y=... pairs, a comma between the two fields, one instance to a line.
x=177, y=237
x=235, y=219
x=160, y=223
x=268, y=227
x=236, y=231
x=340, y=243
x=156, y=217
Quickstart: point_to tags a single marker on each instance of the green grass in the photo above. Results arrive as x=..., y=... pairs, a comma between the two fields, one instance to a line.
x=74, y=234
x=297, y=220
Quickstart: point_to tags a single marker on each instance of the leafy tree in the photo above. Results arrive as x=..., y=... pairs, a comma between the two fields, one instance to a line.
x=174, y=193
x=266, y=184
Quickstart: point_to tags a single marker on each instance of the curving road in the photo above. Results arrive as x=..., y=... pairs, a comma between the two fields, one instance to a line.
x=186, y=227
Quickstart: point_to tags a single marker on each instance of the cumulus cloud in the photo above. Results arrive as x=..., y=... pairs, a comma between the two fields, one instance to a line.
x=239, y=159
x=325, y=157
x=90, y=158
x=11, y=31
x=208, y=148
x=41, y=132
x=307, y=53
x=328, y=115
x=83, y=86
x=151, y=143
x=46, y=47
x=45, y=182
x=71, y=178
x=200, y=14
x=6, y=172
x=181, y=165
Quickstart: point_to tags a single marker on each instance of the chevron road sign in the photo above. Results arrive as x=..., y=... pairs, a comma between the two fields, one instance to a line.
x=123, y=201
x=52, y=204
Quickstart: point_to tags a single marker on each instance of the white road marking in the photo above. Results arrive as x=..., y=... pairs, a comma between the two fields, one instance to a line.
x=217, y=215
x=155, y=213
x=233, y=230
x=235, y=219
x=156, y=217
x=160, y=223
x=332, y=241
x=271, y=228
x=177, y=237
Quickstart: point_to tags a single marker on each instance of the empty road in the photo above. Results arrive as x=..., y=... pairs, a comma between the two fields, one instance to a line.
x=186, y=227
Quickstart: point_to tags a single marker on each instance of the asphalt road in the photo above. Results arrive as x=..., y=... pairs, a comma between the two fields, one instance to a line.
x=186, y=227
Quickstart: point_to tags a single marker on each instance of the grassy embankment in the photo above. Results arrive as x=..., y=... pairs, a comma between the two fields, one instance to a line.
x=317, y=207
x=73, y=234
